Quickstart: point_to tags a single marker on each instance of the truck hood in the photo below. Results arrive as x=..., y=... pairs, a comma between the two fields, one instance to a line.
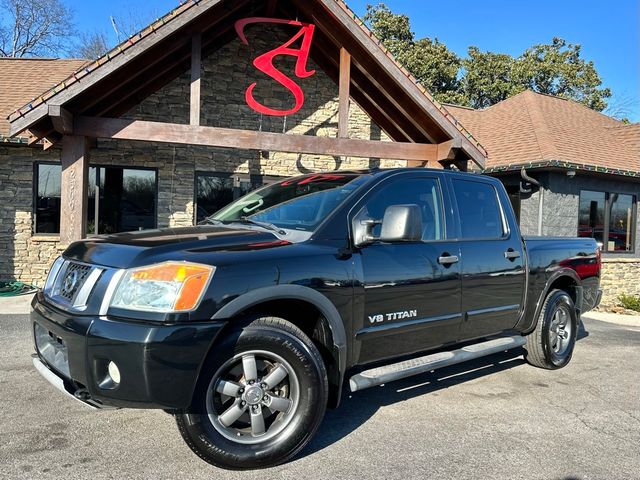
x=127, y=250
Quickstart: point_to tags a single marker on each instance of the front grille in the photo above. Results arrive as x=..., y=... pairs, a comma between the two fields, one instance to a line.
x=72, y=279
x=71, y=283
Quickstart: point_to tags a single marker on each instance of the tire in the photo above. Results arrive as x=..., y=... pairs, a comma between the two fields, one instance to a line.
x=289, y=392
x=552, y=342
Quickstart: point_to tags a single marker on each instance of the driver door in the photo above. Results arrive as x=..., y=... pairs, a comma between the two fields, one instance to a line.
x=411, y=290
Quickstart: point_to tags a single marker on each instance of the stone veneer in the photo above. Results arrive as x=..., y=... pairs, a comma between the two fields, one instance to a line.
x=226, y=75
x=619, y=275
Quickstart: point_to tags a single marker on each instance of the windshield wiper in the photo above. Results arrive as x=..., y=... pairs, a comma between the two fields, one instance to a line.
x=209, y=221
x=268, y=226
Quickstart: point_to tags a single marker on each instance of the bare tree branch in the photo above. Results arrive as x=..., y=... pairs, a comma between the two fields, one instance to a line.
x=34, y=28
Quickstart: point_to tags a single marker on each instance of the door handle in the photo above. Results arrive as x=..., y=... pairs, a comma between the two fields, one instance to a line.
x=447, y=259
x=511, y=254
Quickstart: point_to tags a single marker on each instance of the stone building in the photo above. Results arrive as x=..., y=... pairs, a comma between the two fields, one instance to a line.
x=160, y=133
x=581, y=176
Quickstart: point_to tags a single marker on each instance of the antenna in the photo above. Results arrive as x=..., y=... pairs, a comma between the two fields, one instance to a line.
x=115, y=27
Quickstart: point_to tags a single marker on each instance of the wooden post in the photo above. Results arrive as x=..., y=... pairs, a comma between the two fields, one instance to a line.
x=196, y=70
x=74, y=188
x=345, y=83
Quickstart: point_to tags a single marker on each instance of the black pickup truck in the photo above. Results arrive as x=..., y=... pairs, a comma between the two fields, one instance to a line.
x=246, y=327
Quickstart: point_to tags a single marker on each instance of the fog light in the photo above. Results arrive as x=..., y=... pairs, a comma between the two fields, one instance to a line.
x=114, y=372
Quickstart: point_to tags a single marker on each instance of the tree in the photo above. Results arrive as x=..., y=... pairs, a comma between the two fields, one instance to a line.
x=488, y=78
x=482, y=78
x=92, y=45
x=34, y=28
x=431, y=62
x=558, y=69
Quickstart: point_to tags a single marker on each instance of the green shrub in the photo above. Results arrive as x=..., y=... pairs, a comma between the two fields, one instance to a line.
x=630, y=302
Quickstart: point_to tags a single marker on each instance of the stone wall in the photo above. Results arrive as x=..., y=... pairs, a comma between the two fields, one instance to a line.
x=225, y=76
x=22, y=256
x=619, y=275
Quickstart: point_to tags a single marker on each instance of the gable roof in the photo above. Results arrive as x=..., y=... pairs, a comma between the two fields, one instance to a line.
x=542, y=130
x=150, y=59
x=22, y=79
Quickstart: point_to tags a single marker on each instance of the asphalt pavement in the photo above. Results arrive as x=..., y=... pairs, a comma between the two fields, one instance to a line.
x=496, y=418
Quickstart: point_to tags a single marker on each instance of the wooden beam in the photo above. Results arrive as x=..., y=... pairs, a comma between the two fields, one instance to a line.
x=62, y=119
x=250, y=140
x=36, y=135
x=344, y=85
x=196, y=71
x=74, y=188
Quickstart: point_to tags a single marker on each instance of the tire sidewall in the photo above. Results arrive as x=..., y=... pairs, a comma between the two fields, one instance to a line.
x=557, y=299
x=309, y=369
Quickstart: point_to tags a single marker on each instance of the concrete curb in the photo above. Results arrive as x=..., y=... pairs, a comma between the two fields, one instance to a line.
x=16, y=305
x=626, y=320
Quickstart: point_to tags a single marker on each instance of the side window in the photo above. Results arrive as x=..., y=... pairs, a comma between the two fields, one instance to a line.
x=479, y=210
x=424, y=192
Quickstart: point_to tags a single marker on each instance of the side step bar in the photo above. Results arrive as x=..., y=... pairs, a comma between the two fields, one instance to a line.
x=416, y=366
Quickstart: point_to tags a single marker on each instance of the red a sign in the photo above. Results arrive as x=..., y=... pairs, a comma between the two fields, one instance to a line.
x=264, y=63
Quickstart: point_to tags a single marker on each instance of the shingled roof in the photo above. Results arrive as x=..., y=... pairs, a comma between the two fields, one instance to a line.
x=536, y=130
x=21, y=79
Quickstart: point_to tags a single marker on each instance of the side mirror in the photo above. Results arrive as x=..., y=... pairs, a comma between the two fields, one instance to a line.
x=402, y=223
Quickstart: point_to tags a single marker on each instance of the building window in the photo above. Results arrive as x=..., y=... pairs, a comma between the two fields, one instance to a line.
x=610, y=218
x=214, y=191
x=126, y=200
x=47, y=198
x=123, y=199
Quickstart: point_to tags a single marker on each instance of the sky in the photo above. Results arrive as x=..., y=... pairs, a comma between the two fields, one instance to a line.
x=608, y=31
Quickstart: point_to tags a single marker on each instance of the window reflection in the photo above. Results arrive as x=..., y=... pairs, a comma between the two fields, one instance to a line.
x=591, y=216
x=609, y=218
x=620, y=222
x=123, y=199
x=47, y=202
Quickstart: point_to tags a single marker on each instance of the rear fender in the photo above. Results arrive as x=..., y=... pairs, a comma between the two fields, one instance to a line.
x=564, y=273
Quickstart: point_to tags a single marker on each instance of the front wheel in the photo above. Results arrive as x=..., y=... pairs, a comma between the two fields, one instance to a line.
x=260, y=398
x=551, y=344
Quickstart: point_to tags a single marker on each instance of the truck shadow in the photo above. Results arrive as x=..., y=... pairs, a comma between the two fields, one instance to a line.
x=357, y=408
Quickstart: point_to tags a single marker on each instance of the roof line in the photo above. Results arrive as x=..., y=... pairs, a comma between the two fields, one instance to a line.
x=562, y=164
x=44, y=59
x=540, y=129
x=97, y=63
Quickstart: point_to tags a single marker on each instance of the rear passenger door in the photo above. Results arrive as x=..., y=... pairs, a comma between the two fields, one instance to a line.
x=492, y=258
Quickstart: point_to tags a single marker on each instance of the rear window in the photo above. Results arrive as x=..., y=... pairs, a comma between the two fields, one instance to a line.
x=479, y=210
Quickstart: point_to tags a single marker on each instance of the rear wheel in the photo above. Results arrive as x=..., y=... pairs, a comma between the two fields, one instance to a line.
x=260, y=398
x=551, y=344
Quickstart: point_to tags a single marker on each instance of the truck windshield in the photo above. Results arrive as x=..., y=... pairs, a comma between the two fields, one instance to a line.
x=300, y=203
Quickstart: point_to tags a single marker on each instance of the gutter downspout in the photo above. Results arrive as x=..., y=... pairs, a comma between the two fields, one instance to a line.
x=540, y=205
x=525, y=176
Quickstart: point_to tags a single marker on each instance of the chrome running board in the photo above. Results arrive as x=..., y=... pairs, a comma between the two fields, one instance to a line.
x=416, y=366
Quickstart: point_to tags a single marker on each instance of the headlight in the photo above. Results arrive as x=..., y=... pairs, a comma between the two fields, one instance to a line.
x=53, y=274
x=165, y=287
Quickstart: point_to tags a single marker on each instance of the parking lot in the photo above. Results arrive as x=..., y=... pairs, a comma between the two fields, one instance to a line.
x=495, y=418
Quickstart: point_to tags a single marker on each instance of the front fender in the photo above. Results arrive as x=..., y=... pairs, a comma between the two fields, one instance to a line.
x=297, y=292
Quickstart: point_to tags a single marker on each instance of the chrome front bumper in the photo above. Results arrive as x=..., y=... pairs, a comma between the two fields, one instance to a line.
x=59, y=383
